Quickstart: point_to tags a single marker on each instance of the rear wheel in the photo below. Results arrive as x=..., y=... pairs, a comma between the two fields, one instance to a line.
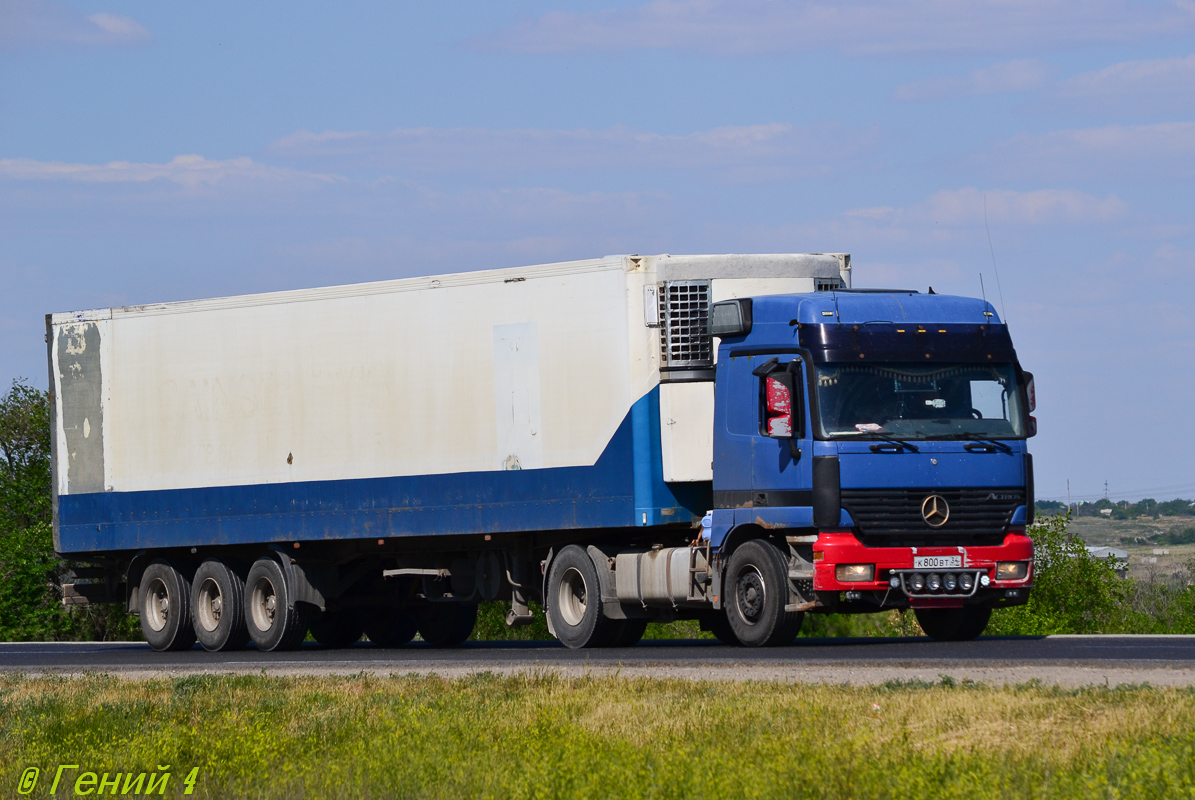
x=218, y=607
x=336, y=628
x=390, y=627
x=953, y=624
x=628, y=632
x=756, y=594
x=575, y=601
x=274, y=620
x=165, y=607
x=447, y=624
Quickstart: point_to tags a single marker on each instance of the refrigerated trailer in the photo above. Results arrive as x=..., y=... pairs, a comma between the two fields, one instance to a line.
x=738, y=439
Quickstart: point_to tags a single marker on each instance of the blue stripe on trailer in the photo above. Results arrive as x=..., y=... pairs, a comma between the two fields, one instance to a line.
x=624, y=488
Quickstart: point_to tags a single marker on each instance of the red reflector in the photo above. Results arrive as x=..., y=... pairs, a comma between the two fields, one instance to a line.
x=778, y=405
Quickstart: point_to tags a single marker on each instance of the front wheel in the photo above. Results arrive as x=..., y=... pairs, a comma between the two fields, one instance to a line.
x=953, y=624
x=756, y=596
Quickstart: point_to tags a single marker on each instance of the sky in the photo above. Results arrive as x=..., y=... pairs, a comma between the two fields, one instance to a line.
x=157, y=151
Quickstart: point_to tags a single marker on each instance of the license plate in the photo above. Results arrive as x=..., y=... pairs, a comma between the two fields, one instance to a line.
x=937, y=562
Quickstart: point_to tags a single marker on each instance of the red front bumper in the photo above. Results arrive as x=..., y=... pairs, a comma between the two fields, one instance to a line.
x=841, y=547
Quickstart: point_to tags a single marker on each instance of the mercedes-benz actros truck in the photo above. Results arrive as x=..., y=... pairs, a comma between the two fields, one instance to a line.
x=737, y=439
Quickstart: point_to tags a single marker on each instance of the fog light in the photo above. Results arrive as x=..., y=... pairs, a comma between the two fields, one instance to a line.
x=934, y=583
x=849, y=573
x=984, y=580
x=966, y=581
x=949, y=583
x=917, y=582
x=894, y=582
x=1012, y=570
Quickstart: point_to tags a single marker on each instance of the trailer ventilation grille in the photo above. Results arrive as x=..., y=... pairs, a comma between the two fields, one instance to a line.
x=826, y=284
x=684, y=337
x=893, y=516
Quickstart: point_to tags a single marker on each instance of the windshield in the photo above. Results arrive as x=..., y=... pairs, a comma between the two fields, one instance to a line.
x=919, y=401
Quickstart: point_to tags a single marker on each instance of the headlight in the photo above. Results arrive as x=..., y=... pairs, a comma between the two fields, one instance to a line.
x=948, y=583
x=934, y=583
x=917, y=582
x=966, y=581
x=849, y=573
x=1012, y=570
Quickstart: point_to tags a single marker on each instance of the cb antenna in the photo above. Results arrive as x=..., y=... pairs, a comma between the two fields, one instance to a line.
x=992, y=250
x=984, y=295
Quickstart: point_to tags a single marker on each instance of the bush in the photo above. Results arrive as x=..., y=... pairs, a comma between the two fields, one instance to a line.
x=1076, y=592
x=30, y=572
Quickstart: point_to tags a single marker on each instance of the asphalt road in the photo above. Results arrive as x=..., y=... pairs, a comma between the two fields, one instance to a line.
x=1065, y=659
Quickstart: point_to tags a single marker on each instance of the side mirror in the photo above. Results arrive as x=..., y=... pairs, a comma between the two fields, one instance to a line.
x=730, y=318
x=1030, y=392
x=781, y=405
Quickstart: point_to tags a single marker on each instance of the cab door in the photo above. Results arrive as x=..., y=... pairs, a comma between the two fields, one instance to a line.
x=782, y=445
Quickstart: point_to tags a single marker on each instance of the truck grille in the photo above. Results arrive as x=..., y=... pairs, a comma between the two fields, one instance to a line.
x=684, y=338
x=893, y=516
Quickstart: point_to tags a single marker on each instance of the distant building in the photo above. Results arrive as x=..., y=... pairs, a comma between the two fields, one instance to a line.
x=1118, y=557
x=1107, y=512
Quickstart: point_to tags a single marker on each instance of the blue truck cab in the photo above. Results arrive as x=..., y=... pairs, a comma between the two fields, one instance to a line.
x=879, y=438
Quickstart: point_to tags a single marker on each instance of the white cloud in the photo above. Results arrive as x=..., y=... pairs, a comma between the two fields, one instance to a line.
x=186, y=170
x=966, y=207
x=26, y=24
x=742, y=153
x=863, y=27
x=1010, y=76
x=1161, y=150
x=1165, y=84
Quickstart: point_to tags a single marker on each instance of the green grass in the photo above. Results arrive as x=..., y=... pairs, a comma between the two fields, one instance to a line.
x=547, y=737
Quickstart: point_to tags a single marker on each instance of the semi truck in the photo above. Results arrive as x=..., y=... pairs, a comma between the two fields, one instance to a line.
x=735, y=439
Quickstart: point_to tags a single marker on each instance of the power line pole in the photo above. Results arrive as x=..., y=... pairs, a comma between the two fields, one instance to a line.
x=1105, y=490
x=1068, y=492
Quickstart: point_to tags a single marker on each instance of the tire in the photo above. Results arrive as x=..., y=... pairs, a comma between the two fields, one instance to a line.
x=336, y=629
x=627, y=632
x=447, y=624
x=390, y=627
x=755, y=595
x=165, y=606
x=953, y=624
x=275, y=622
x=716, y=623
x=574, y=601
x=218, y=607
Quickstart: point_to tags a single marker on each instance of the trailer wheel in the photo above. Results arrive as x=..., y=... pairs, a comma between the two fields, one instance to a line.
x=218, y=607
x=390, y=627
x=756, y=593
x=574, y=601
x=165, y=607
x=274, y=621
x=953, y=624
x=447, y=624
x=336, y=628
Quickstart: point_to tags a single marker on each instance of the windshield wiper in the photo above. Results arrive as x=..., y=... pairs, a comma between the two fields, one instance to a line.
x=977, y=438
x=890, y=438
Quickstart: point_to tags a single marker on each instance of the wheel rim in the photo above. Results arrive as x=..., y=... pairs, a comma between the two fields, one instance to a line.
x=570, y=599
x=265, y=603
x=157, y=604
x=210, y=605
x=749, y=591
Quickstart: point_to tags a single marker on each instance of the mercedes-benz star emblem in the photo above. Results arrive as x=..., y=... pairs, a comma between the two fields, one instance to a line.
x=935, y=511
